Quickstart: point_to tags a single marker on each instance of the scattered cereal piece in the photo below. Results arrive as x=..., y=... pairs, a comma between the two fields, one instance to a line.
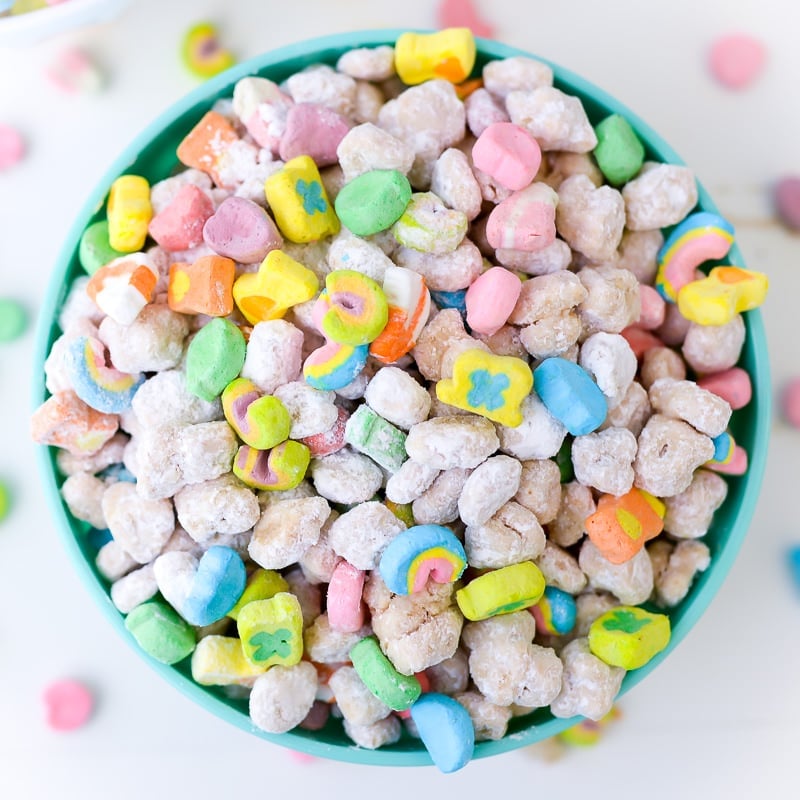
x=786, y=196
x=68, y=705
x=202, y=53
x=12, y=146
x=790, y=402
x=736, y=60
x=462, y=13
x=13, y=319
x=5, y=501
x=74, y=71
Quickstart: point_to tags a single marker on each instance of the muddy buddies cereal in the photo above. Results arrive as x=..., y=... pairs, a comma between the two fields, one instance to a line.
x=402, y=401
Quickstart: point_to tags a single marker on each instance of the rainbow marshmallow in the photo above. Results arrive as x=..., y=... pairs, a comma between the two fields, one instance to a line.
x=281, y=468
x=100, y=386
x=419, y=553
x=333, y=365
x=356, y=310
x=700, y=237
x=555, y=613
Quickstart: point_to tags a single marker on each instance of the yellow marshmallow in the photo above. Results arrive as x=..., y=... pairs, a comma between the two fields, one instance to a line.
x=280, y=283
x=447, y=54
x=220, y=661
x=299, y=202
x=502, y=591
x=261, y=585
x=489, y=385
x=726, y=292
x=272, y=631
x=129, y=213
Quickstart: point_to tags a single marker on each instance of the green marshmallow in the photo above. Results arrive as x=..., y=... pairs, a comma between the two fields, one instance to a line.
x=628, y=636
x=5, y=501
x=619, y=153
x=373, y=202
x=373, y=436
x=214, y=358
x=379, y=675
x=13, y=319
x=95, y=251
x=161, y=632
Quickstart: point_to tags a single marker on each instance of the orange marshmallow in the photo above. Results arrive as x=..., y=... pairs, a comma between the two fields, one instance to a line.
x=205, y=287
x=621, y=525
x=64, y=420
x=206, y=142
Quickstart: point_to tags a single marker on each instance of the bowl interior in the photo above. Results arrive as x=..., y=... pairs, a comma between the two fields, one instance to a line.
x=152, y=154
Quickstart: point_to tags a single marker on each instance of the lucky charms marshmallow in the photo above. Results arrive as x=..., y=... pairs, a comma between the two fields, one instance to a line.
x=400, y=399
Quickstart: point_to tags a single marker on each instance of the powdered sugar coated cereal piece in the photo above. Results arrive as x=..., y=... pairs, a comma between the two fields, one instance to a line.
x=685, y=400
x=348, y=251
x=603, y=460
x=638, y=251
x=660, y=195
x=713, y=348
x=453, y=181
x=133, y=589
x=325, y=645
x=410, y=482
x=286, y=530
x=577, y=503
x=367, y=147
x=397, y=397
x=483, y=109
x=661, y=362
x=631, y=582
x=539, y=435
x=438, y=505
x=359, y=706
x=346, y=477
x=273, y=354
x=368, y=63
x=428, y=117
x=164, y=400
x=443, y=329
x=322, y=84
x=221, y=505
x=83, y=494
x=608, y=358
x=384, y=732
x=113, y=562
x=489, y=720
x=312, y=411
x=686, y=559
x=556, y=120
x=361, y=534
x=555, y=257
x=612, y=301
x=561, y=569
x=282, y=697
x=590, y=219
x=444, y=272
x=446, y=442
x=511, y=535
x=489, y=487
x=517, y=72
x=632, y=411
x=154, y=341
x=690, y=512
x=140, y=526
x=589, y=685
x=540, y=488
x=669, y=452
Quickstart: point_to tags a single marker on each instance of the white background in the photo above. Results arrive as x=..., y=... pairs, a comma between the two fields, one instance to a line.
x=720, y=718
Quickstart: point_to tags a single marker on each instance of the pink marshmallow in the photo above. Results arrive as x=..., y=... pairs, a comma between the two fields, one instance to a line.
x=68, y=705
x=12, y=147
x=653, y=308
x=491, y=299
x=314, y=130
x=736, y=60
x=345, y=609
x=180, y=225
x=733, y=385
x=790, y=402
x=240, y=229
x=524, y=221
x=640, y=340
x=509, y=154
x=267, y=123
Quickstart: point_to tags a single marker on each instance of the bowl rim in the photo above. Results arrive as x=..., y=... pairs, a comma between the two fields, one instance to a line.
x=47, y=325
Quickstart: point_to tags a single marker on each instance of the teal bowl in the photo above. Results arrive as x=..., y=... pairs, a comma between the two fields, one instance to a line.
x=152, y=154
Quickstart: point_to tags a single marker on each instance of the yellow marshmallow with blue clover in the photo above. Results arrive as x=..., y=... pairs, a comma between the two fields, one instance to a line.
x=299, y=202
x=490, y=385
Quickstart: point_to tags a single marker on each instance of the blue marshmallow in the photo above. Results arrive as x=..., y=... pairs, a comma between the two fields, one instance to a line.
x=446, y=730
x=570, y=395
x=218, y=584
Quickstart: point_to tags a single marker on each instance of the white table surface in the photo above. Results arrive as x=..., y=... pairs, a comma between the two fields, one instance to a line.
x=720, y=717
